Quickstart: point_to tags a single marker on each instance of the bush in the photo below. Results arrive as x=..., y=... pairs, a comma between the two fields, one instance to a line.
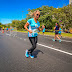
x=48, y=30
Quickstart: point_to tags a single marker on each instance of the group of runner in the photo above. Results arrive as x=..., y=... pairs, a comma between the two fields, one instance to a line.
x=6, y=29
x=34, y=28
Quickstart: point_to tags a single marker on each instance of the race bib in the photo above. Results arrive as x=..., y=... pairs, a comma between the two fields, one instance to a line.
x=35, y=31
x=36, y=25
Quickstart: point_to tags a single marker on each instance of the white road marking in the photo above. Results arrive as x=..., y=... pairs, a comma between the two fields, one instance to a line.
x=7, y=34
x=55, y=49
x=67, y=41
x=20, y=38
x=24, y=39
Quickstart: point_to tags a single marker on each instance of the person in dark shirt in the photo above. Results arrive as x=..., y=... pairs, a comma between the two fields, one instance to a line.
x=56, y=28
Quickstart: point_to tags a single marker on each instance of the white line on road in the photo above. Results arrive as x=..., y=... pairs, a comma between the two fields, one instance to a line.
x=67, y=41
x=20, y=38
x=7, y=34
x=24, y=39
x=55, y=49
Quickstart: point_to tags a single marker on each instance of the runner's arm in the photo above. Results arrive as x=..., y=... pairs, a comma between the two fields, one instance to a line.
x=40, y=29
x=25, y=26
x=54, y=28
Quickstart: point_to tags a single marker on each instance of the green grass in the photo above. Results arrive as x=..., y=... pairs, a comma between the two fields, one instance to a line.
x=47, y=33
x=68, y=35
x=63, y=34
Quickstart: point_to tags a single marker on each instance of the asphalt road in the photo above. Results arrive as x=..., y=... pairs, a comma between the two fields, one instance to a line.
x=49, y=56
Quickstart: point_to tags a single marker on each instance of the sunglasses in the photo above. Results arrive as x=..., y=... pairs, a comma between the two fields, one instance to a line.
x=38, y=15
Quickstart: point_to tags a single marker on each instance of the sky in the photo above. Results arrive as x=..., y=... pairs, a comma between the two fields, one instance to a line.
x=12, y=9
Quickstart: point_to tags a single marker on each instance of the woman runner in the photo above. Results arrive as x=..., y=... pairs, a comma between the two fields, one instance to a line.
x=34, y=26
x=56, y=28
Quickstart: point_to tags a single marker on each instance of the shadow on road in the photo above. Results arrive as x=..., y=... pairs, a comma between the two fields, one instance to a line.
x=35, y=53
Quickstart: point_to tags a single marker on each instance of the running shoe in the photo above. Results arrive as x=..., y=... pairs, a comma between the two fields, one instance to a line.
x=31, y=56
x=59, y=40
x=53, y=39
x=27, y=54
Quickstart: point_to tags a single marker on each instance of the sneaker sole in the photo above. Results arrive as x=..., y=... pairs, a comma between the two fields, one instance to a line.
x=26, y=57
x=31, y=57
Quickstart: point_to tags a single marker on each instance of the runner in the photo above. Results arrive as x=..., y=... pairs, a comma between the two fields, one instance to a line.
x=7, y=29
x=3, y=30
x=56, y=28
x=60, y=32
x=34, y=26
x=12, y=29
x=43, y=29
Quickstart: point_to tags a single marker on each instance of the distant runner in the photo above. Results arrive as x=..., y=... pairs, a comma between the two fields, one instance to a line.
x=3, y=30
x=43, y=29
x=56, y=28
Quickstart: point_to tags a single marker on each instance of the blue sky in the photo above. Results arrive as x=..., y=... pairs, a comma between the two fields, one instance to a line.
x=12, y=9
